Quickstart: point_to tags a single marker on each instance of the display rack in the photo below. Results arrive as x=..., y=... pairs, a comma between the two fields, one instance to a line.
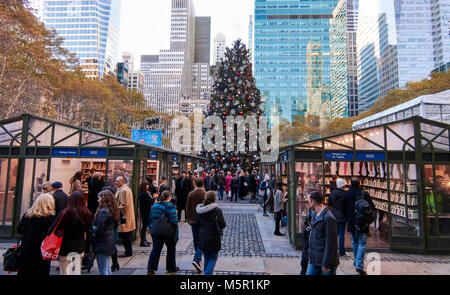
x=153, y=170
x=86, y=167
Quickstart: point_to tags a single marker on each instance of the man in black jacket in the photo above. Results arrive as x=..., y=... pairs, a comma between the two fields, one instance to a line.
x=336, y=205
x=323, y=248
x=61, y=198
x=359, y=237
x=252, y=185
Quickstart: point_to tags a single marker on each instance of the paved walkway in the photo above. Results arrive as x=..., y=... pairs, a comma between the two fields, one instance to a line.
x=250, y=248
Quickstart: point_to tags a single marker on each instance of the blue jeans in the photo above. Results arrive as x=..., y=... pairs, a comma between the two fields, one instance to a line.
x=314, y=270
x=359, y=249
x=341, y=231
x=220, y=192
x=210, y=262
x=104, y=264
x=198, y=252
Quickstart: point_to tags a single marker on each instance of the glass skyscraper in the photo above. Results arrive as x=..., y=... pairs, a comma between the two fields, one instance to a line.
x=339, y=62
x=292, y=56
x=398, y=42
x=90, y=30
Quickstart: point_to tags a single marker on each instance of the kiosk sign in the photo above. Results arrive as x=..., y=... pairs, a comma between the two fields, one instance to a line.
x=93, y=153
x=362, y=156
x=65, y=153
x=347, y=156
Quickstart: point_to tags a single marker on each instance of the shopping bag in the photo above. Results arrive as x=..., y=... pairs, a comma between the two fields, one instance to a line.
x=11, y=259
x=51, y=244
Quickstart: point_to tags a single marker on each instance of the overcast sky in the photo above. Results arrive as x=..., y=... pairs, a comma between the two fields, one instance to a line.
x=145, y=24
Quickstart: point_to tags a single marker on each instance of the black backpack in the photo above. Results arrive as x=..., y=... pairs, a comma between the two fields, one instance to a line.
x=364, y=212
x=163, y=227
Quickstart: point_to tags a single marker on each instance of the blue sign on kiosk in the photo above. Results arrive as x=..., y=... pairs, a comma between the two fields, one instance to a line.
x=153, y=155
x=285, y=156
x=346, y=156
x=363, y=156
x=93, y=153
x=175, y=157
x=64, y=152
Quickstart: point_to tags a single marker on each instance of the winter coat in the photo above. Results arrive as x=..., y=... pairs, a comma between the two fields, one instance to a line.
x=61, y=201
x=252, y=183
x=196, y=197
x=350, y=198
x=306, y=231
x=146, y=202
x=323, y=245
x=278, y=204
x=228, y=181
x=104, y=241
x=208, y=183
x=266, y=188
x=124, y=197
x=336, y=204
x=209, y=239
x=95, y=186
x=167, y=208
x=234, y=183
x=243, y=189
x=33, y=231
x=74, y=233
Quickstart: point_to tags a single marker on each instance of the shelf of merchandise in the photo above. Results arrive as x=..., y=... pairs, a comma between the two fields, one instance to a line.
x=153, y=170
x=86, y=166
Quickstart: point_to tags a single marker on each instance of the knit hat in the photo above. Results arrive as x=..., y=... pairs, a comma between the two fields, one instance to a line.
x=340, y=183
x=57, y=184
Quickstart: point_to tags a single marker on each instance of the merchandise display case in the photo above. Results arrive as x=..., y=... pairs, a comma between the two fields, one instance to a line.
x=403, y=165
x=36, y=150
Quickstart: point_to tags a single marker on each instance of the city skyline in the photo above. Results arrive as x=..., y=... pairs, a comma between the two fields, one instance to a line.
x=138, y=17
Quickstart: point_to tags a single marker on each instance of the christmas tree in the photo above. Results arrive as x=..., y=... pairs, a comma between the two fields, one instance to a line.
x=234, y=94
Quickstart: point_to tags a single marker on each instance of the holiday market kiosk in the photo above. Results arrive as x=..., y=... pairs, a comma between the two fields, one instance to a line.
x=35, y=150
x=404, y=165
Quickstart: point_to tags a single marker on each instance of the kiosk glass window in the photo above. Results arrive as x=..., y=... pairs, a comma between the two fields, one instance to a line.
x=438, y=200
x=8, y=175
x=118, y=168
x=308, y=178
x=403, y=196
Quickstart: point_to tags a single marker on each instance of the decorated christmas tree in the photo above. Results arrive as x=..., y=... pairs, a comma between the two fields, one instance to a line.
x=234, y=94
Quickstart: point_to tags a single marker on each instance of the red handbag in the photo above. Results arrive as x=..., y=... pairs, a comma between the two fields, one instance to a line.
x=51, y=244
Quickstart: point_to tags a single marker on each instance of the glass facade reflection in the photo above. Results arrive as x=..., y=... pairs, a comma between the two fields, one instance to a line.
x=90, y=30
x=284, y=31
x=399, y=42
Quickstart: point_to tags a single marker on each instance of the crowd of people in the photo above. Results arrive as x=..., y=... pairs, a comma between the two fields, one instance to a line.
x=324, y=232
x=92, y=228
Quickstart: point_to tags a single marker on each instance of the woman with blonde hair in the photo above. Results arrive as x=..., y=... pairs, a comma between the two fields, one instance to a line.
x=33, y=227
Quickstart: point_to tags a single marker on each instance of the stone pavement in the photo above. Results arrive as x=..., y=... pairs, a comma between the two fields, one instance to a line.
x=250, y=248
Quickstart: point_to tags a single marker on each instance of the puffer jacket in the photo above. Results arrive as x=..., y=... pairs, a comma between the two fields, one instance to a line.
x=336, y=202
x=209, y=239
x=323, y=246
x=103, y=231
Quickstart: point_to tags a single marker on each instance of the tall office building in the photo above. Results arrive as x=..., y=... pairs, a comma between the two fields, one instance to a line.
x=399, y=42
x=441, y=32
x=128, y=59
x=250, y=36
x=201, y=78
x=169, y=76
x=284, y=32
x=339, y=61
x=219, y=48
x=352, y=58
x=90, y=30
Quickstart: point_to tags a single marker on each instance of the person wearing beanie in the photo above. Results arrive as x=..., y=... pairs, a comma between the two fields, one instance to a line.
x=336, y=205
x=61, y=198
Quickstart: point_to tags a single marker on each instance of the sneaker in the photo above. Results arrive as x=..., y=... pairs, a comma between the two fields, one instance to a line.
x=197, y=266
x=361, y=272
x=278, y=234
x=124, y=255
x=150, y=272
